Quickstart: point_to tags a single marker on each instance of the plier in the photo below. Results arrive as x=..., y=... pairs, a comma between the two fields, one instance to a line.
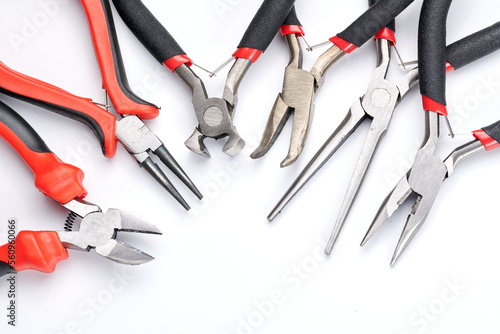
x=130, y=130
x=458, y=54
x=215, y=115
x=300, y=87
x=487, y=139
x=428, y=171
x=62, y=182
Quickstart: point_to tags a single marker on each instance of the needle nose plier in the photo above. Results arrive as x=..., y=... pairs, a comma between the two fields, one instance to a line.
x=300, y=87
x=63, y=182
x=458, y=54
x=428, y=171
x=487, y=139
x=215, y=115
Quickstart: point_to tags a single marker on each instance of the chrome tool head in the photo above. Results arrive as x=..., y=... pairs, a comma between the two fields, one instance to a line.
x=215, y=115
x=140, y=142
x=297, y=96
x=99, y=230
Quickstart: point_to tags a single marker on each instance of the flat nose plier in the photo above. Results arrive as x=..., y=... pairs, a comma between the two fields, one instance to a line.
x=63, y=182
x=300, y=87
x=215, y=115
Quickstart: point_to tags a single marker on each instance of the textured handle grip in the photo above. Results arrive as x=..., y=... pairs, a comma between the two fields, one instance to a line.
x=292, y=19
x=53, y=98
x=474, y=47
x=108, y=54
x=148, y=30
x=265, y=24
x=432, y=51
x=370, y=22
x=391, y=25
x=59, y=181
x=40, y=250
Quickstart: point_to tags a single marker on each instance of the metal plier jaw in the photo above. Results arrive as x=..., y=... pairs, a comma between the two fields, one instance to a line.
x=215, y=115
x=141, y=142
x=424, y=180
x=425, y=197
x=98, y=231
x=378, y=103
x=297, y=96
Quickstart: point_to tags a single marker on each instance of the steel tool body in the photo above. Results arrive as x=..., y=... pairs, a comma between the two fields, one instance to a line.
x=428, y=171
x=487, y=138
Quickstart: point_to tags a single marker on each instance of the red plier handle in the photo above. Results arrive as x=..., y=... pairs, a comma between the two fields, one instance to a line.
x=38, y=250
x=108, y=54
x=54, y=178
x=50, y=97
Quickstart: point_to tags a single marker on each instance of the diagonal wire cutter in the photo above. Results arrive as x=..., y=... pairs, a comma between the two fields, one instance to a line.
x=63, y=183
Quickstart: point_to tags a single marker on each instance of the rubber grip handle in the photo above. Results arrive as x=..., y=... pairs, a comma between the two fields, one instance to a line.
x=265, y=24
x=432, y=49
x=371, y=21
x=148, y=30
x=61, y=182
x=493, y=131
x=292, y=19
x=474, y=47
x=108, y=54
x=38, y=250
x=391, y=25
x=55, y=99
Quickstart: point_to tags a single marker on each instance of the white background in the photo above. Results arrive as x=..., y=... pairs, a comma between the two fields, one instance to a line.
x=221, y=268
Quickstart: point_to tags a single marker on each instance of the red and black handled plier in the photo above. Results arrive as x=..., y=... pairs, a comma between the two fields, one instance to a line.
x=62, y=182
x=130, y=130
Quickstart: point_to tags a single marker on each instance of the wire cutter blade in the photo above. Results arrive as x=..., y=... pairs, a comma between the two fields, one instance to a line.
x=98, y=231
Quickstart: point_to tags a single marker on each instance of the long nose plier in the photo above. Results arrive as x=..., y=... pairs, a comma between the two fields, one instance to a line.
x=62, y=182
x=487, y=139
x=378, y=104
x=428, y=171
